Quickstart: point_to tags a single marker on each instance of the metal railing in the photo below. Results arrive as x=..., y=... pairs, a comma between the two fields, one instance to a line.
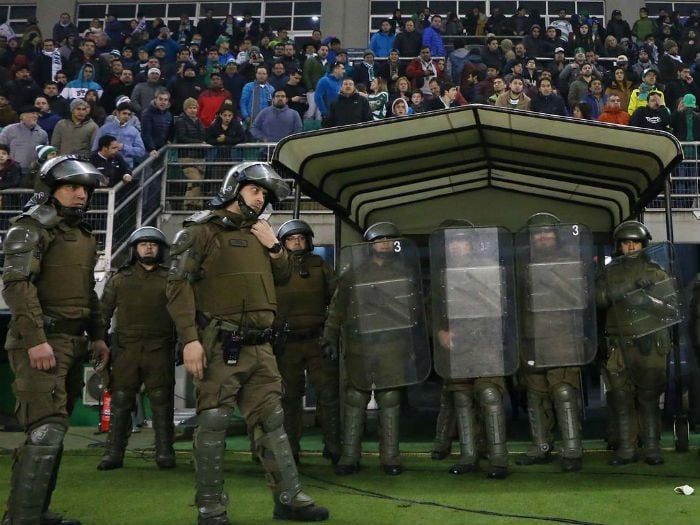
x=194, y=173
x=685, y=182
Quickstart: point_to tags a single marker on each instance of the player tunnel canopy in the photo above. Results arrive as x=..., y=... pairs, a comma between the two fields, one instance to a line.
x=490, y=165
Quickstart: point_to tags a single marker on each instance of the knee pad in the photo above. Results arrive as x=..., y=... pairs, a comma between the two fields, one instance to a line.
x=355, y=398
x=388, y=398
x=160, y=397
x=564, y=393
x=47, y=435
x=216, y=419
x=490, y=396
x=123, y=399
x=462, y=399
x=273, y=419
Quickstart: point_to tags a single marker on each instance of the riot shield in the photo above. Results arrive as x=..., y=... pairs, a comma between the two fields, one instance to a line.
x=555, y=293
x=384, y=337
x=643, y=288
x=473, y=302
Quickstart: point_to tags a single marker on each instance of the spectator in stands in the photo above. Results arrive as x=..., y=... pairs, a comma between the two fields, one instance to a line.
x=315, y=68
x=233, y=80
x=409, y=41
x=685, y=120
x=83, y=81
x=278, y=79
x=185, y=85
x=643, y=26
x=546, y=101
x=256, y=95
x=123, y=88
x=110, y=163
x=432, y=37
x=611, y=47
x=497, y=23
x=7, y=114
x=328, y=89
x=10, y=171
x=499, y=88
x=446, y=99
x=418, y=104
x=23, y=137
x=157, y=123
x=640, y=95
x=578, y=90
x=669, y=62
x=86, y=54
x=64, y=28
x=618, y=27
x=514, y=98
x=132, y=149
x=683, y=85
x=643, y=63
x=614, y=112
x=653, y=115
x=364, y=72
x=22, y=90
x=190, y=130
x=534, y=45
x=349, y=108
x=59, y=105
x=583, y=38
x=596, y=98
x=226, y=130
x=400, y=108
x=690, y=45
x=169, y=45
x=208, y=28
x=74, y=135
x=290, y=60
x=277, y=121
x=421, y=70
x=378, y=98
x=144, y=92
x=392, y=69
x=581, y=111
x=492, y=55
x=621, y=87
x=382, y=42
x=551, y=41
x=475, y=22
x=563, y=26
x=97, y=112
x=250, y=26
x=47, y=118
x=297, y=96
x=402, y=89
x=47, y=63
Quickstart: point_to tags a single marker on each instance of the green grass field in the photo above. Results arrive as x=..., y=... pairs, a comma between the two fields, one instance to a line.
x=425, y=494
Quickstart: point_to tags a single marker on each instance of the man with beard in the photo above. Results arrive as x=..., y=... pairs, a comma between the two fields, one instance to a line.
x=123, y=88
x=49, y=284
x=277, y=121
x=349, y=108
x=302, y=306
x=141, y=345
x=185, y=85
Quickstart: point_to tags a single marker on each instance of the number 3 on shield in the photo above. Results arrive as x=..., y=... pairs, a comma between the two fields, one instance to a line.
x=574, y=230
x=397, y=246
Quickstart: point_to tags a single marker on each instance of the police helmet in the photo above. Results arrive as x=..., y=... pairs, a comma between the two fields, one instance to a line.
x=69, y=169
x=294, y=227
x=632, y=231
x=381, y=230
x=543, y=218
x=148, y=234
x=456, y=223
x=260, y=173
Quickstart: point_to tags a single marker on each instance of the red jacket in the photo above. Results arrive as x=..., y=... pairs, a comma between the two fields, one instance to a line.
x=209, y=103
x=614, y=116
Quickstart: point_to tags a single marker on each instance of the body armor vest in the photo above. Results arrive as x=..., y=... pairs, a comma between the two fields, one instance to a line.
x=141, y=303
x=302, y=300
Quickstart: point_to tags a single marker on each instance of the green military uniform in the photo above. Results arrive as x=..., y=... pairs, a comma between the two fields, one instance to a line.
x=302, y=303
x=221, y=292
x=142, y=353
x=635, y=367
x=49, y=287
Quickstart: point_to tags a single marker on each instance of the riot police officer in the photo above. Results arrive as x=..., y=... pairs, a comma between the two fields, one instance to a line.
x=640, y=297
x=142, y=346
x=473, y=297
x=50, y=256
x=221, y=295
x=302, y=306
x=557, y=325
x=378, y=311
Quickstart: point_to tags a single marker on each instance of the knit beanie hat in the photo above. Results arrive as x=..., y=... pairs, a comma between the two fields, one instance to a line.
x=669, y=44
x=43, y=151
x=122, y=100
x=77, y=102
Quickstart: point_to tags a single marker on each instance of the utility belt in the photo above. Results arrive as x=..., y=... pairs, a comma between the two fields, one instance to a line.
x=232, y=337
x=302, y=335
x=74, y=327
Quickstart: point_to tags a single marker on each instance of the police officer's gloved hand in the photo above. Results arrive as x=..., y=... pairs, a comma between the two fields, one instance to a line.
x=644, y=283
x=329, y=350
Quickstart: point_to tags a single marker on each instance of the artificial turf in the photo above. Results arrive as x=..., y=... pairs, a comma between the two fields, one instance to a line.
x=425, y=494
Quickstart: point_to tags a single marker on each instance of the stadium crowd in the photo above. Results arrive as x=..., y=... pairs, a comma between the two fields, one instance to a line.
x=120, y=90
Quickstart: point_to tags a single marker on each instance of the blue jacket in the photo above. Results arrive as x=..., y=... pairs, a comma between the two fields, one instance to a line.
x=171, y=48
x=327, y=91
x=381, y=44
x=156, y=127
x=267, y=91
x=133, y=149
x=433, y=40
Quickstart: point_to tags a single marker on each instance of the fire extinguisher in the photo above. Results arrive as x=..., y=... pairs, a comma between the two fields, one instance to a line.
x=105, y=411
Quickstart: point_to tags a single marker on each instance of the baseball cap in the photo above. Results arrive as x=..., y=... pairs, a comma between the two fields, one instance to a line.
x=559, y=50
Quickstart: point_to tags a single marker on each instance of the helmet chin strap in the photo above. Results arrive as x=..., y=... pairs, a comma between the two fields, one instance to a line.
x=70, y=213
x=148, y=260
x=247, y=211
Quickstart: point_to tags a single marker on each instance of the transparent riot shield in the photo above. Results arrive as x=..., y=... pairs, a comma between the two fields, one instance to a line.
x=384, y=335
x=473, y=302
x=555, y=278
x=644, y=292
